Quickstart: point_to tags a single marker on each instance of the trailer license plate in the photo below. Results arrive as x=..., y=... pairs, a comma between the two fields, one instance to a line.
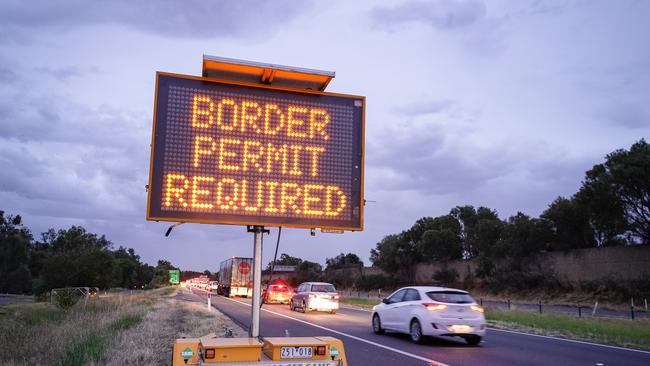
x=296, y=352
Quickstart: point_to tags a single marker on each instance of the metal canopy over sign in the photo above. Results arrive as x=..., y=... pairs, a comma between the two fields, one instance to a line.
x=228, y=152
x=259, y=72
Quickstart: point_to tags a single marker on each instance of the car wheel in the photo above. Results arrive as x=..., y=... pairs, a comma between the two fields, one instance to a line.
x=376, y=325
x=332, y=311
x=304, y=308
x=291, y=307
x=473, y=340
x=416, y=332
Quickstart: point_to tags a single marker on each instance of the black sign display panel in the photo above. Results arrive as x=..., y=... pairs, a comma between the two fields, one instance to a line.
x=242, y=154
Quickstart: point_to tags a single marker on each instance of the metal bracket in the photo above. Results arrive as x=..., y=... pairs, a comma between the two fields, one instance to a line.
x=257, y=229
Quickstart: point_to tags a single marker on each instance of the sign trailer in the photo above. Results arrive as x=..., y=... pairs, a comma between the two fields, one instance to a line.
x=258, y=145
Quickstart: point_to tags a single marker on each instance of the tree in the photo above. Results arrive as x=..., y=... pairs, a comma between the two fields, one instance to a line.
x=343, y=260
x=161, y=273
x=480, y=229
x=15, y=240
x=523, y=236
x=285, y=260
x=605, y=212
x=441, y=241
x=308, y=271
x=570, y=223
x=78, y=258
x=624, y=180
x=397, y=255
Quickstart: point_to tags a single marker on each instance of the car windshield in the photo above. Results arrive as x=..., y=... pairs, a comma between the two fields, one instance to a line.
x=453, y=297
x=279, y=288
x=323, y=288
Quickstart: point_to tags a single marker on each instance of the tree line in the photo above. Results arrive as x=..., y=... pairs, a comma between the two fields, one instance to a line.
x=611, y=208
x=72, y=257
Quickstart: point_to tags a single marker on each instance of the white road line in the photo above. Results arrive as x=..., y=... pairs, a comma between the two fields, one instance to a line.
x=571, y=340
x=430, y=361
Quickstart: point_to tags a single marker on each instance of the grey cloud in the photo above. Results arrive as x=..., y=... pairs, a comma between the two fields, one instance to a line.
x=423, y=158
x=628, y=115
x=189, y=18
x=7, y=76
x=71, y=160
x=61, y=73
x=440, y=14
x=426, y=107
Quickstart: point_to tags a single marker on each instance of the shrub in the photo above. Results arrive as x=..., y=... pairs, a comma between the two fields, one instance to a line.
x=65, y=298
x=446, y=277
x=376, y=282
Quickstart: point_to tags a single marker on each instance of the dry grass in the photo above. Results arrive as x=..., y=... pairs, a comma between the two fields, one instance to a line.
x=127, y=329
x=151, y=341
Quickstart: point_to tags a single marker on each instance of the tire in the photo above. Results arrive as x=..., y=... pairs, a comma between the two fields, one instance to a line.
x=473, y=340
x=332, y=311
x=304, y=308
x=376, y=325
x=415, y=331
x=291, y=306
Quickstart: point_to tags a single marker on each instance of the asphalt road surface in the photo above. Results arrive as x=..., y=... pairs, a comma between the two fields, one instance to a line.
x=364, y=348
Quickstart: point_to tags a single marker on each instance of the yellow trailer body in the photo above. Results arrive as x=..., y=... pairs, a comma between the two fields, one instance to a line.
x=218, y=350
x=185, y=352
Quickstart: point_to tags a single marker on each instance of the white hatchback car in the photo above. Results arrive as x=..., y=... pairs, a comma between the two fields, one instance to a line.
x=430, y=311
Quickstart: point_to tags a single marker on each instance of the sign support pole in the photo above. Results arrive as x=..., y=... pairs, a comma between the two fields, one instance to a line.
x=258, y=231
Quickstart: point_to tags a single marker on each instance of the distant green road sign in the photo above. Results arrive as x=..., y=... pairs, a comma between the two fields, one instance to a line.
x=174, y=276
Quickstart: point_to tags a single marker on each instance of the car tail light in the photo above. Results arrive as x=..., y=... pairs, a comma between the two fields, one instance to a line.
x=480, y=309
x=336, y=297
x=270, y=292
x=435, y=307
x=311, y=296
x=320, y=350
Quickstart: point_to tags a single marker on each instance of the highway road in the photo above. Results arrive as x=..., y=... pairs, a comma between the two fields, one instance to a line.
x=364, y=348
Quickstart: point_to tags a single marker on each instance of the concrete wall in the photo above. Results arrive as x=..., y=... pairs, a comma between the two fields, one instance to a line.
x=622, y=263
x=625, y=263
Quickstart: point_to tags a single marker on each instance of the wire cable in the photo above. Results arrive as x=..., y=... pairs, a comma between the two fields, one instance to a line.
x=275, y=257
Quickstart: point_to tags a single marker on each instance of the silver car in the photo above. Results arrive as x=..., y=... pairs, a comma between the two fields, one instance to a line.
x=319, y=296
x=430, y=311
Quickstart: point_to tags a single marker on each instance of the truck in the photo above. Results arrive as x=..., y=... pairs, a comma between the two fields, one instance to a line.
x=236, y=277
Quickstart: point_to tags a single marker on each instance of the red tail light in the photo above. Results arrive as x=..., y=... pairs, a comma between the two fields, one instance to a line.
x=336, y=297
x=480, y=309
x=311, y=296
x=435, y=307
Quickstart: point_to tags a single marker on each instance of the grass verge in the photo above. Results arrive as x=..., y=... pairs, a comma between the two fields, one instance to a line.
x=359, y=302
x=150, y=341
x=619, y=332
x=43, y=334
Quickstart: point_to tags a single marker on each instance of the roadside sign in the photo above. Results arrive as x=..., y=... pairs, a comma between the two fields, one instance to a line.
x=247, y=154
x=244, y=267
x=174, y=276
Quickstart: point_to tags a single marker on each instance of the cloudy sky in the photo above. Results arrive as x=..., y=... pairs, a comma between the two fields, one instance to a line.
x=502, y=104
